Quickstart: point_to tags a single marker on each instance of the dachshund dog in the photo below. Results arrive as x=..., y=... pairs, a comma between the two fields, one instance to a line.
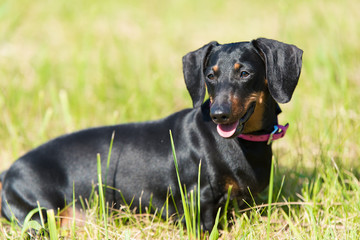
x=230, y=133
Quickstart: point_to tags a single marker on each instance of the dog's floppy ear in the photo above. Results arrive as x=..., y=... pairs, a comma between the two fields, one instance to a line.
x=193, y=69
x=283, y=66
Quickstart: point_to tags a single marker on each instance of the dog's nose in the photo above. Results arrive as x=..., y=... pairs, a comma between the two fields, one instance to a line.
x=220, y=114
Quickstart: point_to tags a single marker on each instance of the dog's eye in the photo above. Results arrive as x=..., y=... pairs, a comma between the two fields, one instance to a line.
x=244, y=74
x=211, y=76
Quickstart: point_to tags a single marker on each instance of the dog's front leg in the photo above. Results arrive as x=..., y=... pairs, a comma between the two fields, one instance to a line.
x=208, y=208
x=208, y=215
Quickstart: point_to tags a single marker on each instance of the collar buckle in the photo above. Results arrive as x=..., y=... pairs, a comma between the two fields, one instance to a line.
x=271, y=136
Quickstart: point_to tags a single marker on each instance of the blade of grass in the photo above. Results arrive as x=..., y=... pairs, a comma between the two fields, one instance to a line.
x=281, y=186
x=225, y=219
x=292, y=226
x=192, y=211
x=108, y=158
x=167, y=206
x=52, y=225
x=40, y=214
x=182, y=193
x=214, y=235
x=102, y=197
x=30, y=224
x=270, y=195
x=74, y=212
x=198, y=204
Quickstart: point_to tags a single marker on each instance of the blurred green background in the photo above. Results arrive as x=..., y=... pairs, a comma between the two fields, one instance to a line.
x=67, y=65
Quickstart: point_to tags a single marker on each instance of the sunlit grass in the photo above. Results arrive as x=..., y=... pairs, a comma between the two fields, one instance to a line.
x=70, y=65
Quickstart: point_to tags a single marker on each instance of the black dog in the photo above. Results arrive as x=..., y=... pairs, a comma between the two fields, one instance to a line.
x=244, y=81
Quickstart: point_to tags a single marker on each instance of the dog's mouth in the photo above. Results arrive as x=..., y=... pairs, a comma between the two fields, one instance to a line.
x=234, y=129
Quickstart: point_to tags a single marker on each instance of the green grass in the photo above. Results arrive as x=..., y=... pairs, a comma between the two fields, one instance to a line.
x=68, y=65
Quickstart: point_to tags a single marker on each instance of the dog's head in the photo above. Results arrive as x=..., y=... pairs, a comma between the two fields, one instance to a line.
x=236, y=76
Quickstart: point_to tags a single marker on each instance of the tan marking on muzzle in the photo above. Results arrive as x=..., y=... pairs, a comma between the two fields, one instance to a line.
x=255, y=121
x=236, y=108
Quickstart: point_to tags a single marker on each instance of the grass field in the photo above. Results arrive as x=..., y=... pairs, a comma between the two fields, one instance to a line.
x=68, y=65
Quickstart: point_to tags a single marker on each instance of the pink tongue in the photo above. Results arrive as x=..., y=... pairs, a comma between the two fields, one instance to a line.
x=227, y=130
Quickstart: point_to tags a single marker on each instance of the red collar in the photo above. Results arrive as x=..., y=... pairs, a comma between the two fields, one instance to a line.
x=279, y=132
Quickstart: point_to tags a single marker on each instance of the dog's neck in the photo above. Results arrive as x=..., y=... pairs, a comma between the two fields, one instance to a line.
x=265, y=115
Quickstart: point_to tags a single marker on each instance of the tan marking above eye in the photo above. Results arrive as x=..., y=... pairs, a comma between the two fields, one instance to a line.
x=215, y=68
x=237, y=66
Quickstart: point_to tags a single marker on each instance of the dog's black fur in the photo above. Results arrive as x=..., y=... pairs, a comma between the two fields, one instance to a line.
x=244, y=81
